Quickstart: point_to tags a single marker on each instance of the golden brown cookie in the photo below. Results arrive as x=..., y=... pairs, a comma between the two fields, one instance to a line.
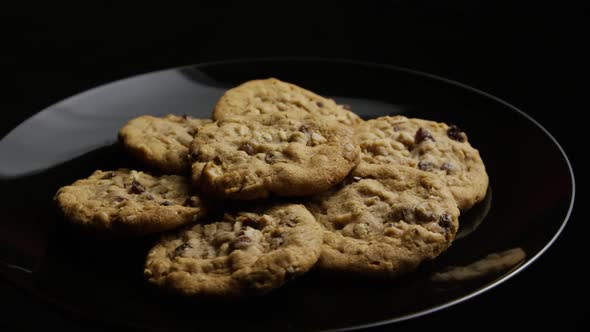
x=161, y=142
x=272, y=96
x=428, y=146
x=244, y=253
x=128, y=201
x=248, y=159
x=383, y=221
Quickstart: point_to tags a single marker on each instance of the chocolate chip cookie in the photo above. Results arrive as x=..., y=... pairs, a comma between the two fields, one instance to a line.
x=258, y=97
x=428, y=146
x=252, y=158
x=128, y=201
x=161, y=142
x=244, y=253
x=383, y=221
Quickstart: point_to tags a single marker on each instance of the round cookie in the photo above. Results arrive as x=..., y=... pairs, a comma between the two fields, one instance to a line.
x=383, y=221
x=268, y=96
x=428, y=146
x=161, y=142
x=128, y=201
x=249, y=159
x=244, y=253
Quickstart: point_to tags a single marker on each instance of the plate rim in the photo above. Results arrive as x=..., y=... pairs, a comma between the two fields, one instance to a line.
x=387, y=67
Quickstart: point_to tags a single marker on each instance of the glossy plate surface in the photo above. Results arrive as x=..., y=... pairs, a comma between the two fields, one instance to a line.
x=99, y=277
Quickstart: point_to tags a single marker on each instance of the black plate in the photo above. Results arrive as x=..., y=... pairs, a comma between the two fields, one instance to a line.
x=101, y=278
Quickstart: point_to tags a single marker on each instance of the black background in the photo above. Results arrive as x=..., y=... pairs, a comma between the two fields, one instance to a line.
x=529, y=54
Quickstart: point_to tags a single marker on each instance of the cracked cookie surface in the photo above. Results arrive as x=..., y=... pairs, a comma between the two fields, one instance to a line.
x=272, y=96
x=161, y=142
x=248, y=159
x=428, y=146
x=128, y=201
x=244, y=253
x=383, y=221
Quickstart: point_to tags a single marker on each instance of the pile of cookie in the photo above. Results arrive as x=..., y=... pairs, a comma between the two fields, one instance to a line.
x=310, y=184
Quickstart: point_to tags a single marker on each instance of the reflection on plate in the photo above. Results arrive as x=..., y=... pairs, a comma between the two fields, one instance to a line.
x=80, y=272
x=489, y=265
x=471, y=219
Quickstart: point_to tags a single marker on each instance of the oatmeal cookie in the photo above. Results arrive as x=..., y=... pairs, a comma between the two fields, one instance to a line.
x=128, y=201
x=161, y=142
x=249, y=159
x=428, y=146
x=244, y=253
x=383, y=221
x=268, y=96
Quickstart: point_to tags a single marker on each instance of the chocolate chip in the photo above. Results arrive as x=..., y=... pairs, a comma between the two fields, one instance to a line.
x=356, y=178
x=181, y=248
x=397, y=128
x=249, y=222
x=247, y=147
x=320, y=104
x=186, y=117
x=149, y=197
x=304, y=129
x=109, y=175
x=445, y=221
x=455, y=133
x=426, y=166
x=269, y=158
x=447, y=167
x=166, y=203
x=136, y=187
x=346, y=107
x=338, y=226
x=195, y=155
x=119, y=199
x=422, y=135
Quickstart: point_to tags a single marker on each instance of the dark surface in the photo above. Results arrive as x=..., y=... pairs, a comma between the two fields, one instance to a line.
x=99, y=277
x=528, y=54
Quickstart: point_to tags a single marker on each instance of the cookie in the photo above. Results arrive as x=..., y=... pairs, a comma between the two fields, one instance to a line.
x=269, y=96
x=244, y=253
x=428, y=146
x=161, y=142
x=128, y=201
x=383, y=221
x=249, y=159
